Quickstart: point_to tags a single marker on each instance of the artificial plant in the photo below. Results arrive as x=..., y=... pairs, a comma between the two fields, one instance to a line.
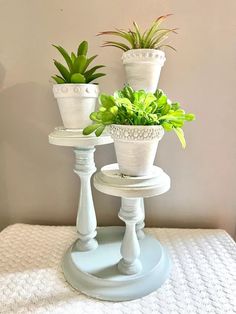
x=76, y=69
x=129, y=107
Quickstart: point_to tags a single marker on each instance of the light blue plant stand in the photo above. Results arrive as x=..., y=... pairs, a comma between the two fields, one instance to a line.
x=113, y=263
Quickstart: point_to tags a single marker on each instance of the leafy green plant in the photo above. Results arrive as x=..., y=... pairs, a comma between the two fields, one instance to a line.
x=76, y=69
x=129, y=107
x=151, y=38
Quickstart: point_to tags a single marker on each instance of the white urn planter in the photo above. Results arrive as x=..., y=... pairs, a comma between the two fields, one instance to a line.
x=143, y=67
x=136, y=147
x=76, y=102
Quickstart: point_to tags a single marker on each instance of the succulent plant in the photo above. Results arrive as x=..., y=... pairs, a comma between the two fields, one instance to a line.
x=76, y=69
x=151, y=38
x=129, y=107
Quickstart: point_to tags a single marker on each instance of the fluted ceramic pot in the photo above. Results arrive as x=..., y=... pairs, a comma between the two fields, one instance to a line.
x=76, y=102
x=143, y=68
x=136, y=147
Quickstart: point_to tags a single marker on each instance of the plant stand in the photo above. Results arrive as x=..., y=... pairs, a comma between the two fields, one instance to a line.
x=126, y=264
x=84, y=148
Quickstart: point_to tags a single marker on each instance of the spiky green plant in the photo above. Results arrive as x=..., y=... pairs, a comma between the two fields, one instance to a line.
x=76, y=69
x=151, y=38
x=129, y=107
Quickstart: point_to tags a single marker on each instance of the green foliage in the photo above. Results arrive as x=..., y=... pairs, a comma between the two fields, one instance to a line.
x=129, y=107
x=151, y=38
x=76, y=69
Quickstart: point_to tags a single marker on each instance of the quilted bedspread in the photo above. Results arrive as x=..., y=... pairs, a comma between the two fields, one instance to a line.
x=202, y=280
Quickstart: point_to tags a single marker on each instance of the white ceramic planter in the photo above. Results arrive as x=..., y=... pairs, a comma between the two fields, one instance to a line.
x=143, y=67
x=135, y=147
x=76, y=102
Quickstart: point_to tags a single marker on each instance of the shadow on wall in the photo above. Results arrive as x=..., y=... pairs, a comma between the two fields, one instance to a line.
x=37, y=183
x=4, y=210
x=25, y=119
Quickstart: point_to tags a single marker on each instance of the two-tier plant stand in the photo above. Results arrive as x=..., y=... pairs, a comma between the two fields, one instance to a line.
x=113, y=263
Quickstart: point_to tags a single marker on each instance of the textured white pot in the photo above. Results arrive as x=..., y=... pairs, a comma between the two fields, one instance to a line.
x=143, y=67
x=135, y=147
x=76, y=102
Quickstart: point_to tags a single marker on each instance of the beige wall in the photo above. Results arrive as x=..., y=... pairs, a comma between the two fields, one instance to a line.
x=37, y=184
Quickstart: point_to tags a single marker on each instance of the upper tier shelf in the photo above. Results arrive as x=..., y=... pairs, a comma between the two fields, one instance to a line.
x=74, y=138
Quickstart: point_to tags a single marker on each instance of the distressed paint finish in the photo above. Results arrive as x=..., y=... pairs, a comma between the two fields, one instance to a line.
x=86, y=222
x=131, y=214
x=96, y=274
x=84, y=148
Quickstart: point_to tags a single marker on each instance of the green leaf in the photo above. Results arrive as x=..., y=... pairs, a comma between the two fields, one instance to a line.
x=189, y=117
x=77, y=78
x=148, y=100
x=107, y=117
x=58, y=79
x=119, y=94
x=90, y=128
x=63, y=70
x=125, y=101
x=79, y=64
x=154, y=118
x=165, y=109
x=128, y=92
x=114, y=110
x=116, y=44
x=152, y=108
x=102, y=109
x=89, y=60
x=73, y=57
x=94, y=77
x=106, y=101
x=160, y=36
x=139, y=98
x=120, y=33
x=83, y=48
x=94, y=116
x=162, y=100
x=175, y=106
x=170, y=117
x=167, y=126
x=168, y=46
x=99, y=130
x=88, y=73
x=65, y=55
x=180, y=133
x=138, y=35
x=177, y=123
x=150, y=33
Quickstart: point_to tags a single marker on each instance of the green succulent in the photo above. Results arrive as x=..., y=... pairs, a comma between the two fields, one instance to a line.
x=151, y=38
x=129, y=107
x=76, y=69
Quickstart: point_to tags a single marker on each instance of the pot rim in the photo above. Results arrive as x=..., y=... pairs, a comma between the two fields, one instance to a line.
x=67, y=90
x=129, y=126
x=136, y=132
x=144, y=55
x=145, y=50
x=75, y=84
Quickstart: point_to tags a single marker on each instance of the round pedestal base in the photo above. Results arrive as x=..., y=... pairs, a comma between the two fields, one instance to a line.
x=96, y=272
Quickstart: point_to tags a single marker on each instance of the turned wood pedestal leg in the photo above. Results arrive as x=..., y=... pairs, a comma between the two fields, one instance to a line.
x=140, y=225
x=130, y=213
x=86, y=222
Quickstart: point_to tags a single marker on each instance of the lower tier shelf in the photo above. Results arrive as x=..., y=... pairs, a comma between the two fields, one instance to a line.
x=96, y=274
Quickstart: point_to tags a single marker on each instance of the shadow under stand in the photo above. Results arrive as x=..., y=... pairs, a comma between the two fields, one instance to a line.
x=123, y=266
x=84, y=148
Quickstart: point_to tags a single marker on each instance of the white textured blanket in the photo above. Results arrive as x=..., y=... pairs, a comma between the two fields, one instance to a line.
x=203, y=278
